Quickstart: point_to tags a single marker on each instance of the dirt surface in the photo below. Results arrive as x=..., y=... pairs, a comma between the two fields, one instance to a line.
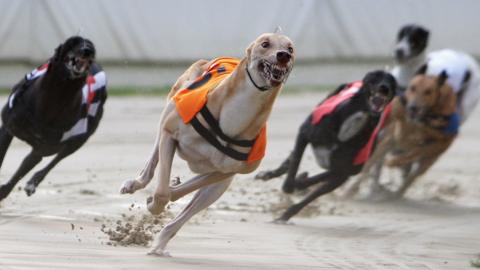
x=78, y=220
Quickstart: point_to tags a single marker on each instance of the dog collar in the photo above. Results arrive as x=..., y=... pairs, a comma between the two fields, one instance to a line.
x=261, y=88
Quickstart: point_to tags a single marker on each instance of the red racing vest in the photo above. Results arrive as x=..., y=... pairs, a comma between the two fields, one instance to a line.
x=330, y=104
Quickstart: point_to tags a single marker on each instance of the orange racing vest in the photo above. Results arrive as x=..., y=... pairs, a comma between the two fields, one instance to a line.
x=193, y=100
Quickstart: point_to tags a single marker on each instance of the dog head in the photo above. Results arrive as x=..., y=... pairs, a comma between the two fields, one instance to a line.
x=429, y=94
x=412, y=40
x=270, y=60
x=379, y=89
x=76, y=54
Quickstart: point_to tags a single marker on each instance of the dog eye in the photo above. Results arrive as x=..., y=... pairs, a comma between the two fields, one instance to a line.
x=265, y=44
x=412, y=89
x=290, y=49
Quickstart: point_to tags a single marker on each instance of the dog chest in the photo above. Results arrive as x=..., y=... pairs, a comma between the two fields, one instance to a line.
x=352, y=126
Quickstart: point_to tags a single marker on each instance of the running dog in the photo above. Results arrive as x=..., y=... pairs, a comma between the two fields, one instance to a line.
x=463, y=75
x=55, y=109
x=409, y=53
x=422, y=124
x=462, y=69
x=340, y=130
x=215, y=120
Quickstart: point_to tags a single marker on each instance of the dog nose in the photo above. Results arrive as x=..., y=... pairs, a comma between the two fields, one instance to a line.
x=399, y=53
x=283, y=57
x=384, y=90
x=86, y=52
x=412, y=109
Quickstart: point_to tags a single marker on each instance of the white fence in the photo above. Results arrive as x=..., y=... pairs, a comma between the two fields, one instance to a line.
x=158, y=31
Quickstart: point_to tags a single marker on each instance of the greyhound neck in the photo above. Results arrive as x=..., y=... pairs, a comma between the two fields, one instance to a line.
x=404, y=72
x=58, y=99
x=241, y=109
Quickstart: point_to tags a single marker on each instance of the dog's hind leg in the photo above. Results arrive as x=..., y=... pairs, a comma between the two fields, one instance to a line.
x=195, y=183
x=5, y=140
x=27, y=164
x=335, y=181
x=301, y=184
x=161, y=196
x=295, y=158
x=38, y=177
x=267, y=175
x=201, y=200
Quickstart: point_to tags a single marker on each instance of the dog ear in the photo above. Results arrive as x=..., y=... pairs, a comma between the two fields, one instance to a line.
x=447, y=101
x=58, y=51
x=442, y=78
x=422, y=70
x=249, y=49
x=425, y=32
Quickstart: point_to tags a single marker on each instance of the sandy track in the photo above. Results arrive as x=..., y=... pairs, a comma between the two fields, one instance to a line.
x=432, y=229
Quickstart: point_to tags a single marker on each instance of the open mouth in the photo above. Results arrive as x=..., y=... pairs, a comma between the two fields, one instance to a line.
x=273, y=73
x=378, y=103
x=415, y=115
x=78, y=66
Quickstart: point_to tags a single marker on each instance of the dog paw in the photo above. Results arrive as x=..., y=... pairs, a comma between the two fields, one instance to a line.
x=156, y=204
x=30, y=189
x=4, y=191
x=288, y=188
x=383, y=195
x=280, y=221
x=159, y=253
x=264, y=175
x=129, y=186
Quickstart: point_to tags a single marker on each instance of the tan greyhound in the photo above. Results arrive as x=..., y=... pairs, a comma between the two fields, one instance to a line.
x=219, y=132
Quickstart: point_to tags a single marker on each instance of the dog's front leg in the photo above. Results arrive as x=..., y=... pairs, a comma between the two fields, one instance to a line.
x=373, y=167
x=5, y=140
x=334, y=181
x=161, y=195
x=282, y=169
x=27, y=164
x=202, y=199
x=145, y=176
x=423, y=166
x=295, y=158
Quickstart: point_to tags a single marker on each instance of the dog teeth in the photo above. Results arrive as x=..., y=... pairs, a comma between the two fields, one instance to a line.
x=273, y=71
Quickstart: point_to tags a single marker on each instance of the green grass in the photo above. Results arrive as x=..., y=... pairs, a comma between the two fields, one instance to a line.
x=127, y=91
x=475, y=262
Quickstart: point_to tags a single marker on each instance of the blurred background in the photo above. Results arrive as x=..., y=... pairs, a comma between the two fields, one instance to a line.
x=145, y=45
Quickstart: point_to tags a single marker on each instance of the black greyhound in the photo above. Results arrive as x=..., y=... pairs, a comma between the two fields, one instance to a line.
x=55, y=109
x=341, y=132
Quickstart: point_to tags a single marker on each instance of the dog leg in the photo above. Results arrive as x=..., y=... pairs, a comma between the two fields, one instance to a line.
x=267, y=175
x=295, y=158
x=161, y=195
x=302, y=184
x=27, y=164
x=334, y=182
x=5, y=140
x=423, y=166
x=373, y=167
x=38, y=177
x=195, y=183
x=145, y=176
x=202, y=199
